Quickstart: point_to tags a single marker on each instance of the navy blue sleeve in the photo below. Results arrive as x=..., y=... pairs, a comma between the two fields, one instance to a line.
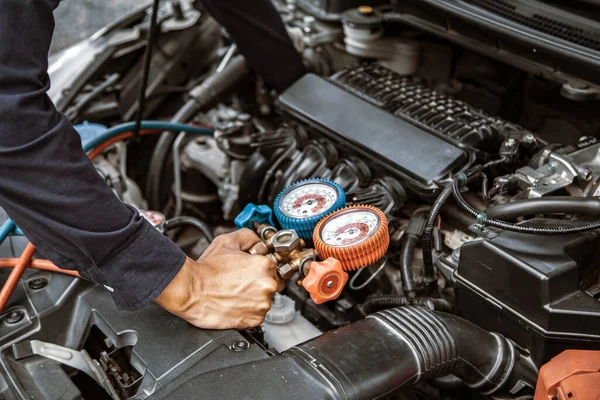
x=258, y=31
x=50, y=188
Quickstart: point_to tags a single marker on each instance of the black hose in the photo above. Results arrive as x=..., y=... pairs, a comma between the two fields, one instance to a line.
x=203, y=97
x=152, y=33
x=381, y=302
x=202, y=226
x=546, y=205
x=448, y=382
x=406, y=259
x=161, y=151
x=461, y=180
x=409, y=344
x=377, y=356
x=427, y=237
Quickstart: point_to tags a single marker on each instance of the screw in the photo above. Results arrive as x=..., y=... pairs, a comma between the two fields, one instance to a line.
x=585, y=173
x=38, y=283
x=240, y=345
x=329, y=284
x=14, y=317
x=511, y=142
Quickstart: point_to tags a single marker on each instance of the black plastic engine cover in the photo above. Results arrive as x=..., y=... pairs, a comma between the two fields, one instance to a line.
x=410, y=152
x=537, y=290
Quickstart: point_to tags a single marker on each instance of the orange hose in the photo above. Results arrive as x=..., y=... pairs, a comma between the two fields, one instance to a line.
x=44, y=265
x=25, y=259
x=96, y=151
x=16, y=274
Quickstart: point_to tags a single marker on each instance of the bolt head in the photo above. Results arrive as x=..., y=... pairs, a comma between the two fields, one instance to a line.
x=240, y=345
x=37, y=283
x=285, y=241
x=14, y=317
x=286, y=271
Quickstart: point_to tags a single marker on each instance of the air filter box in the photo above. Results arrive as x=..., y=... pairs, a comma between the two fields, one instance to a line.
x=540, y=291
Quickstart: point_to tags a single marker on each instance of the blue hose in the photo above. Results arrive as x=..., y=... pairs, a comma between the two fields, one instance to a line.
x=6, y=229
x=9, y=226
x=149, y=125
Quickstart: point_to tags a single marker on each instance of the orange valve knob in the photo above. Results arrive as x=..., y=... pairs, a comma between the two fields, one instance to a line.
x=325, y=280
x=357, y=236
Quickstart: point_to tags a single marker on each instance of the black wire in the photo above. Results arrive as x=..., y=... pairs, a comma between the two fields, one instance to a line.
x=436, y=208
x=408, y=250
x=427, y=237
x=146, y=67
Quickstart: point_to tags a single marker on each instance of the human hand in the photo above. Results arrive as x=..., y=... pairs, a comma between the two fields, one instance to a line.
x=226, y=288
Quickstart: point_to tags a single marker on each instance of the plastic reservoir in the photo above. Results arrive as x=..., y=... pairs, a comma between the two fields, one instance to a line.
x=285, y=327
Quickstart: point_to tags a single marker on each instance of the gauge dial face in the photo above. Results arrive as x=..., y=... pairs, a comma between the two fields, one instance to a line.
x=308, y=200
x=349, y=228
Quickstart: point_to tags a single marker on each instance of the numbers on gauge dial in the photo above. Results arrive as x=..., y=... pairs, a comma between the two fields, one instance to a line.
x=308, y=200
x=349, y=228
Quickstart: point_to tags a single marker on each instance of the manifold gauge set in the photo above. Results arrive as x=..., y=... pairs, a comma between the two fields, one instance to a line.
x=313, y=212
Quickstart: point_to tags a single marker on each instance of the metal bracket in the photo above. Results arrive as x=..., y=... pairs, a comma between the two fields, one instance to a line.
x=79, y=360
x=482, y=231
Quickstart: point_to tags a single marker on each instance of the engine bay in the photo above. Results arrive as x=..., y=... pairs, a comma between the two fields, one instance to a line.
x=431, y=204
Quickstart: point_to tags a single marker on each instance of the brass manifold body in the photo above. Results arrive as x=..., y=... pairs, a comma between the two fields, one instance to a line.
x=285, y=249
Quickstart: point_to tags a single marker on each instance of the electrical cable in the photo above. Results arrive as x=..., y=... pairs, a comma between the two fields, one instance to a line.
x=427, y=237
x=146, y=67
x=406, y=258
x=434, y=213
x=352, y=283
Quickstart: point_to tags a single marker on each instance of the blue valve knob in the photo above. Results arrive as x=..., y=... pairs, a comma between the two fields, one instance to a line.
x=302, y=205
x=252, y=213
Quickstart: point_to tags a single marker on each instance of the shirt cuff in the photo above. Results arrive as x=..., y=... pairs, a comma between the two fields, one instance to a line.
x=141, y=270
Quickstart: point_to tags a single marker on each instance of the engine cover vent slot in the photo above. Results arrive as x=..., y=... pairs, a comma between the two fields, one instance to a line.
x=407, y=98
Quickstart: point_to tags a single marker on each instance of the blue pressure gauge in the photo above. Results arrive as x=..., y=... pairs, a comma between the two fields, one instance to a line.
x=302, y=205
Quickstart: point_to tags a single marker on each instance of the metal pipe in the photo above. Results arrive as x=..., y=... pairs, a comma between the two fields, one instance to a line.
x=177, y=173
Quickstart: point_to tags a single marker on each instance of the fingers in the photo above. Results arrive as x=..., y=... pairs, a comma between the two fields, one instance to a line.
x=270, y=286
x=280, y=283
x=242, y=239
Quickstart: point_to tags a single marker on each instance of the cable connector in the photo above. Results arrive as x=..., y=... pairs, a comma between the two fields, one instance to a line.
x=417, y=223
